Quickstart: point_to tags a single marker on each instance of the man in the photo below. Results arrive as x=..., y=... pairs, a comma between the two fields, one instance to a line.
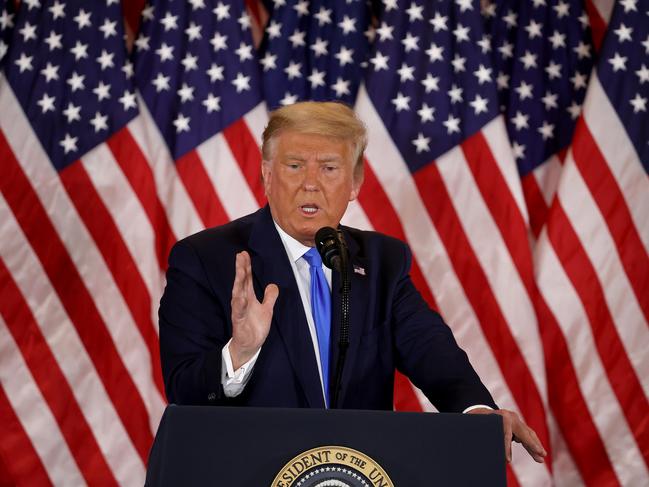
x=260, y=332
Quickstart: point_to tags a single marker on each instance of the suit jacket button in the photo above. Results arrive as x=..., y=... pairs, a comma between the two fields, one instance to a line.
x=211, y=396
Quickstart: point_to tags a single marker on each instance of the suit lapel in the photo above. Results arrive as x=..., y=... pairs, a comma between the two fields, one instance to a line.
x=358, y=302
x=270, y=264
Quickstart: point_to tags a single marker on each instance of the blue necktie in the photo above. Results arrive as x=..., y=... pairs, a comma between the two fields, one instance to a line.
x=321, y=310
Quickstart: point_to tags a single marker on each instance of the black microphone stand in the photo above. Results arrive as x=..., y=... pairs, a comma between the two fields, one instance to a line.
x=343, y=342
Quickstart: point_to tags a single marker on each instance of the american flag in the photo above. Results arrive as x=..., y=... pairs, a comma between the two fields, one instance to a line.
x=107, y=158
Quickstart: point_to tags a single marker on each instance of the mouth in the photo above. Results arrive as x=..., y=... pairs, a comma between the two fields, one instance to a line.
x=309, y=209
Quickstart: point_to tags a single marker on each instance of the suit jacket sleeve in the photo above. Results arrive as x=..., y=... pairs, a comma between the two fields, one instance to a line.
x=427, y=353
x=194, y=327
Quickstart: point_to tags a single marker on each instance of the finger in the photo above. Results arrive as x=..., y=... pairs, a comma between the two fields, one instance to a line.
x=270, y=296
x=239, y=275
x=507, y=426
x=533, y=445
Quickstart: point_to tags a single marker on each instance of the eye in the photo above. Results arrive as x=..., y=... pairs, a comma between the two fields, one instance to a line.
x=330, y=168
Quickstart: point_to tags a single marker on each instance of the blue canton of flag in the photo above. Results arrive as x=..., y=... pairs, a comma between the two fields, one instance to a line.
x=196, y=68
x=67, y=66
x=428, y=76
x=314, y=50
x=6, y=24
x=543, y=55
x=624, y=71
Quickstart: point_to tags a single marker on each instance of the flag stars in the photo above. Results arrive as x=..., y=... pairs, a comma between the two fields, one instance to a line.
x=274, y=30
x=483, y=74
x=629, y=5
x=426, y=113
x=106, y=60
x=518, y=150
x=32, y=4
x=582, y=50
x=161, y=83
x=193, y=32
x=455, y=93
x=639, y=103
x=221, y=11
x=102, y=91
x=528, y=60
x=83, y=19
x=109, y=28
x=53, y=41
x=511, y=19
x=574, y=110
x=293, y=70
x=169, y=22
x=99, y=122
x=24, y=62
x=458, y=63
x=50, y=72
x=550, y=100
x=142, y=42
x=69, y=143
x=128, y=100
x=485, y=44
x=479, y=105
x=546, y=130
x=643, y=74
x=212, y=103
x=578, y=80
x=464, y=5
x=71, y=112
x=319, y=47
x=181, y=122
x=524, y=90
x=645, y=43
x=435, y=52
x=401, y=102
x=6, y=20
x=390, y=5
x=316, y=78
x=186, y=93
x=147, y=12
x=302, y=8
x=219, y=41
x=197, y=4
x=506, y=50
x=76, y=81
x=345, y=56
x=215, y=72
x=618, y=62
x=348, y=25
x=431, y=83
x=28, y=32
x=244, y=21
x=421, y=143
x=379, y=61
x=452, y=124
x=323, y=16
x=244, y=51
x=410, y=42
x=439, y=22
x=562, y=9
x=520, y=121
x=241, y=82
x=553, y=69
x=190, y=62
x=165, y=52
x=623, y=33
x=461, y=33
x=3, y=49
x=341, y=87
x=534, y=29
x=502, y=81
x=80, y=51
x=297, y=39
x=385, y=32
x=557, y=40
x=269, y=61
x=415, y=12
x=406, y=73
x=288, y=99
x=46, y=103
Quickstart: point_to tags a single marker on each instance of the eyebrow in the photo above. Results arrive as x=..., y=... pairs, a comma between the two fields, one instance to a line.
x=322, y=158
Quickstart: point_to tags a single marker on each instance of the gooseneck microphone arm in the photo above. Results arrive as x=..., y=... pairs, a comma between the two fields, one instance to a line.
x=333, y=250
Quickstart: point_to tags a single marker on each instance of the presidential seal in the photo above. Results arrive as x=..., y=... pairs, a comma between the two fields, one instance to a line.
x=332, y=466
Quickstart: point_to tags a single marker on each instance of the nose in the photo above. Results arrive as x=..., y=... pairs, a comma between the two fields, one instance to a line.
x=310, y=182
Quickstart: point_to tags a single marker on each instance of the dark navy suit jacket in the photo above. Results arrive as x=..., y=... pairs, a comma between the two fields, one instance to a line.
x=391, y=326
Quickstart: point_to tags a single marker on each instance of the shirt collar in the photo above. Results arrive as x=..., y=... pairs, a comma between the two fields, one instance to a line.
x=294, y=249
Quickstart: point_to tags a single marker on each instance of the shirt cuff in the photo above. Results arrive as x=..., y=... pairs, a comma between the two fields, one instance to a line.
x=477, y=406
x=234, y=381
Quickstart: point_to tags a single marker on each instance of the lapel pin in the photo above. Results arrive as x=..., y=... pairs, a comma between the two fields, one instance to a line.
x=359, y=270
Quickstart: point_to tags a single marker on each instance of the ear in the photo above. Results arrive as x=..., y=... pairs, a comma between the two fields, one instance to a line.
x=357, y=182
x=266, y=175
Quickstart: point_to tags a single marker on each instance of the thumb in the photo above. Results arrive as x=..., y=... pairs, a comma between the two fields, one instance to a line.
x=270, y=296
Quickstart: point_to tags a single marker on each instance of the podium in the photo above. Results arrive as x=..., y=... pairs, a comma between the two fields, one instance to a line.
x=256, y=447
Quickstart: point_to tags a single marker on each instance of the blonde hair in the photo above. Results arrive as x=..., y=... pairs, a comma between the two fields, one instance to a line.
x=330, y=119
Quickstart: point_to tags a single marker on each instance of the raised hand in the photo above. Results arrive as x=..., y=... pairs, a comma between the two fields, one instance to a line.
x=250, y=318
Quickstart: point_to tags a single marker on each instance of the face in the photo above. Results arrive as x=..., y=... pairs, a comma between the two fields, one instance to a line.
x=309, y=183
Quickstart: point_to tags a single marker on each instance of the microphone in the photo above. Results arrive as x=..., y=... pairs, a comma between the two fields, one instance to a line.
x=330, y=244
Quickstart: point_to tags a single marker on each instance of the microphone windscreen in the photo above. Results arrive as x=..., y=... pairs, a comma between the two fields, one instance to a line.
x=327, y=243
